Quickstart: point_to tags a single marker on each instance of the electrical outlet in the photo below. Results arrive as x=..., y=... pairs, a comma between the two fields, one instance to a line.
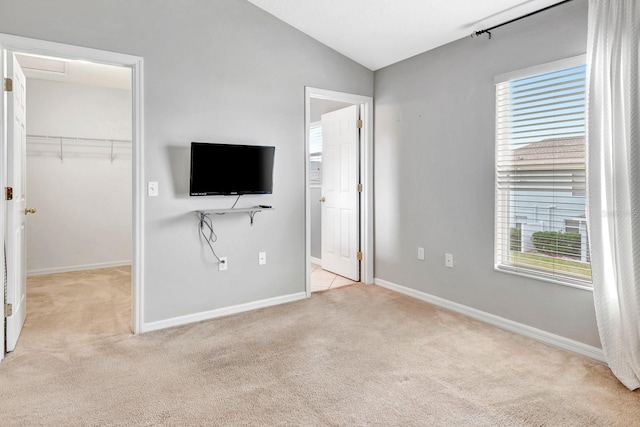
x=448, y=260
x=421, y=254
x=262, y=258
x=222, y=265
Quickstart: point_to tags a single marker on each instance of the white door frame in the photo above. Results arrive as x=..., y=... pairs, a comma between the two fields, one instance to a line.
x=135, y=63
x=366, y=178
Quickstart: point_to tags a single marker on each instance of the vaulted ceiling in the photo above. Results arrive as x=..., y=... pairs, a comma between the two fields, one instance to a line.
x=377, y=33
x=374, y=33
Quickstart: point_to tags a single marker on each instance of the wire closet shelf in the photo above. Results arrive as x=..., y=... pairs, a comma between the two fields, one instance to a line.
x=62, y=146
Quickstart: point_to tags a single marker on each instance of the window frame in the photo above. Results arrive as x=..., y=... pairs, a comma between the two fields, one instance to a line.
x=498, y=265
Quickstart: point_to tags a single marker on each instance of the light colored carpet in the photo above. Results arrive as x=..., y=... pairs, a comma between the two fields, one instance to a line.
x=354, y=356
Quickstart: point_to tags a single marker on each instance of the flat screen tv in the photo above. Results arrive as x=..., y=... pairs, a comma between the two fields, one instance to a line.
x=230, y=169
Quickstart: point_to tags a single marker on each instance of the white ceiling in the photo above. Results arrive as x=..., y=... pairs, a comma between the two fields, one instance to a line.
x=75, y=72
x=377, y=33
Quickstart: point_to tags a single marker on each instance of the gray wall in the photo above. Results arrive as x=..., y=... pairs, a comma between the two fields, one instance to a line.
x=434, y=173
x=215, y=71
x=316, y=227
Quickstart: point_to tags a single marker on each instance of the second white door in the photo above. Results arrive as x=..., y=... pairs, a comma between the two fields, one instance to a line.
x=340, y=197
x=17, y=207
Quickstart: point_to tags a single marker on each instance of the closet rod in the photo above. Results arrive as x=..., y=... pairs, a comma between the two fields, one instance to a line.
x=76, y=138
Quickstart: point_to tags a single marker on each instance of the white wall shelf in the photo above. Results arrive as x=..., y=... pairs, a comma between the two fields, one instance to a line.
x=251, y=211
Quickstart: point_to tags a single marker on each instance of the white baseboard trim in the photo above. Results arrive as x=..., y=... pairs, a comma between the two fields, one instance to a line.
x=316, y=260
x=518, y=328
x=212, y=314
x=42, y=271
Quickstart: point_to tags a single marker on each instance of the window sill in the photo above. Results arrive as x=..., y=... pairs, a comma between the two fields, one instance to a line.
x=578, y=284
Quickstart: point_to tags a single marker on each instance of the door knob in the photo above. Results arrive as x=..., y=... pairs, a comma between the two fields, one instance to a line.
x=29, y=211
x=322, y=199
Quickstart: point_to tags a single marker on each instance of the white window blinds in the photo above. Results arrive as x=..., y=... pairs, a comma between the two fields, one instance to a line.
x=315, y=154
x=315, y=139
x=540, y=175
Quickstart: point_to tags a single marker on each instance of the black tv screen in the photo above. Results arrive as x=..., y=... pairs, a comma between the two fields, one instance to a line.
x=229, y=169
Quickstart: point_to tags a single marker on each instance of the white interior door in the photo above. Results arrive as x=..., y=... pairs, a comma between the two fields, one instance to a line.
x=16, y=208
x=3, y=210
x=340, y=197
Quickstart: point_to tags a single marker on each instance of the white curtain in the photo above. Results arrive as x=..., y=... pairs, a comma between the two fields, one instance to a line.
x=613, y=172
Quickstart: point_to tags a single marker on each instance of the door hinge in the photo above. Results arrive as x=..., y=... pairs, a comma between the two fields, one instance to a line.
x=8, y=310
x=359, y=188
x=8, y=85
x=359, y=124
x=359, y=255
x=8, y=193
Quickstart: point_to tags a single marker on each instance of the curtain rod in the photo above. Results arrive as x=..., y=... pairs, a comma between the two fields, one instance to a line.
x=488, y=30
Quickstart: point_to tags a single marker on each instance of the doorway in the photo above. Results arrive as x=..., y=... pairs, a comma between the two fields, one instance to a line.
x=331, y=104
x=78, y=163
x=53, y=52
x=78, y=160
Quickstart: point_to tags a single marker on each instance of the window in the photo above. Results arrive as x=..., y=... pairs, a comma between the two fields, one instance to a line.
x=315, y=154
x=571, y=226
x=540, y=173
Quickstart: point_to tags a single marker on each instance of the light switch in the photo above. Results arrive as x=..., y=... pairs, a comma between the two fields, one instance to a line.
x=152, y=188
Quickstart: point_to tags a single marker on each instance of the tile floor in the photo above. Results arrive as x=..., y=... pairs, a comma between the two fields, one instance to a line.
x=322, y=280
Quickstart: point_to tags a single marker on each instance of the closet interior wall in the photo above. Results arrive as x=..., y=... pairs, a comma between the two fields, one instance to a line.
x=78, y=176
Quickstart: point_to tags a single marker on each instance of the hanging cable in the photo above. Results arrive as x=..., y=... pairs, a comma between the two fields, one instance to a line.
x=234, y=205
x=210, y=237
